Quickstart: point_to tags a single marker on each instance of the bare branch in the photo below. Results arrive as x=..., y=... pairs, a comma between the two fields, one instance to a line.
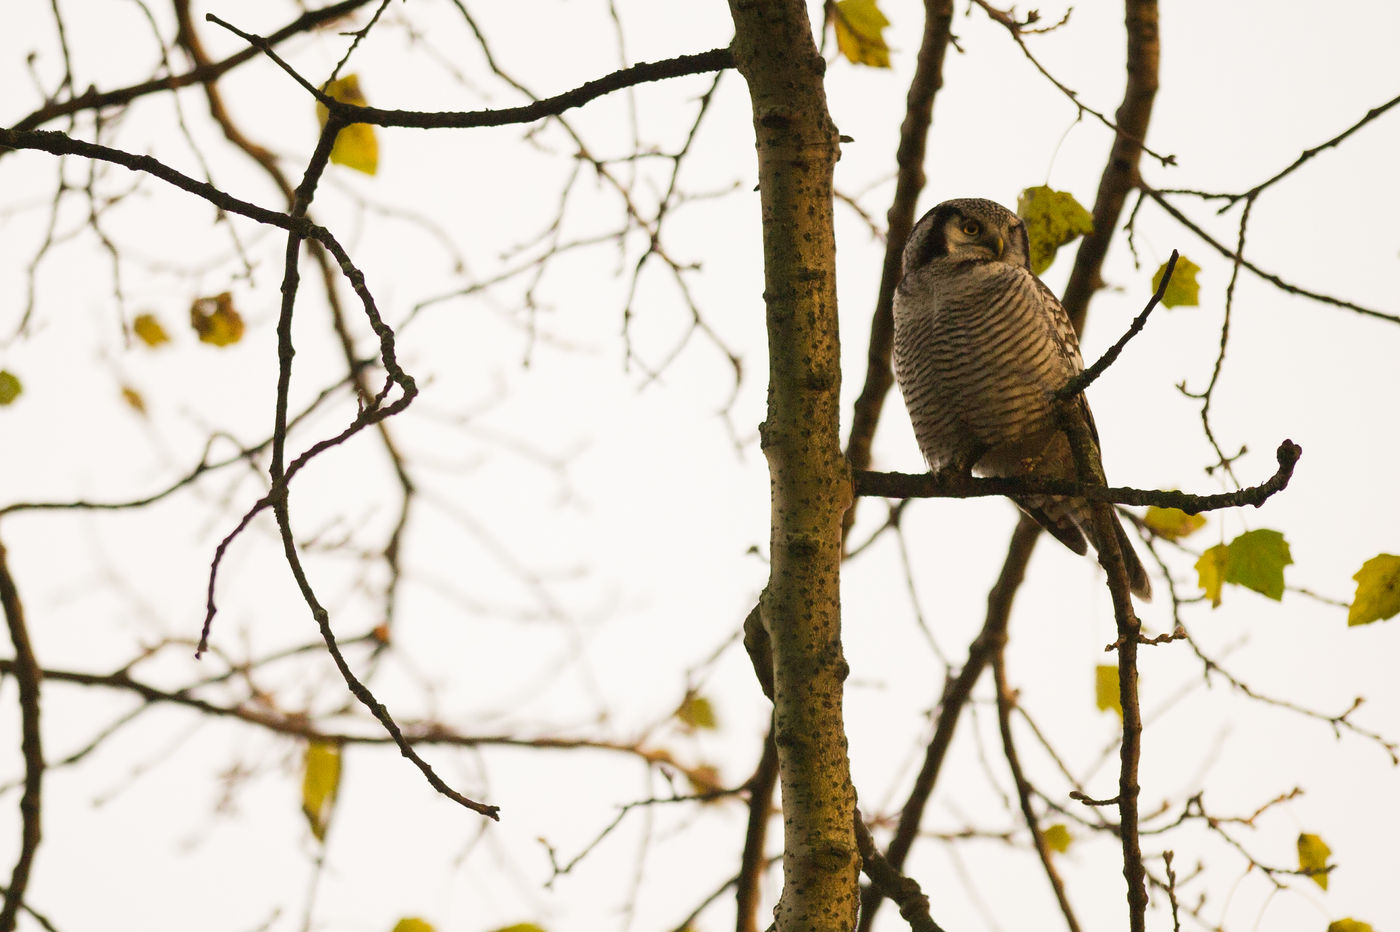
x=1086, y=378
x=640, y=73
x=95, y=100
x=913, y=142
x=28, y=675
x=1006, y=701
x=905, y=891
x=930, y=485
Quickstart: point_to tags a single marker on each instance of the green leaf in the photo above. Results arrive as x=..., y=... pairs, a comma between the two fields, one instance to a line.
x=413, y=924
x=1377, y=590
x=1172, y=523
x=149, y=330
x=860, y=27
x=1106, y=695
x=1210, y=572
x=1349, y=925
x=1053, y=218
x=1058, y=838
x=1312, y=856
x=319, y=785
x=10, y=386
x=1257, y=559
x=696, y=713
x=356, y=146
x=1182, y=290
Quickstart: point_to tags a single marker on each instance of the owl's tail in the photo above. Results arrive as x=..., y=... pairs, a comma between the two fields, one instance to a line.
x=1137, y=576
x=1069, y=521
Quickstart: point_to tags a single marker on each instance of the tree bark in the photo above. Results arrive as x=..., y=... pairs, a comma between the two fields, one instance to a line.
x=810, y=482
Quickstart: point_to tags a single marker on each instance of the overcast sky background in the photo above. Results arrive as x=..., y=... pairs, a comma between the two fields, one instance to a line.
x=642, y=502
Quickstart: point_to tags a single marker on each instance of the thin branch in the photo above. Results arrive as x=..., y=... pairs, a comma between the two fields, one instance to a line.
x=1018, y=31
x=1373, y=113
x=95, y=100
x=302, y=726
x=957, y=690
x=752, y=861
x=931, y=485
x=909, y=181
x=1083, y=446
x=28, y=675
x=1086, y=378
x=1160, y=199
x=1121, y=170
x=904, y=891
x=640, y=73
x=1006, y=701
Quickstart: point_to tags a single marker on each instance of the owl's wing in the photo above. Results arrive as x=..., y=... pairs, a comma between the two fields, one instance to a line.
x=1060, y=326
x=1062, y=332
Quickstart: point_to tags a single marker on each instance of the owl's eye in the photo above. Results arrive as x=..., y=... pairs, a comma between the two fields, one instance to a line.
x=971, y=227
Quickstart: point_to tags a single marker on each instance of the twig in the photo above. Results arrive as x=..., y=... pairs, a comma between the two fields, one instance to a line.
x=1083, y=446
x=27, y=675
x=1160, y=199
x=302, y=726
x=1086, y=378
x=747, y=884
x=1121, y=170
x=913, y=142
x=640, y=73
x=957, y=690
x=1017, y=30
x=95, y=100
x=1005, y=703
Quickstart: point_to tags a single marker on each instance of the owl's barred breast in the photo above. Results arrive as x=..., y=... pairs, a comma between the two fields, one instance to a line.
x=978, y=364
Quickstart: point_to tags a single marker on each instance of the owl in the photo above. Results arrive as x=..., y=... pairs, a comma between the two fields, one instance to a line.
x=980, y=348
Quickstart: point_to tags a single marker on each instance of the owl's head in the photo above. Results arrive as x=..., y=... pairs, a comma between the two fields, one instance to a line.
x=967, y=229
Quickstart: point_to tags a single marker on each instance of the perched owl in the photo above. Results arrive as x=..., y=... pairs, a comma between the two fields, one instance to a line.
x=980, y=348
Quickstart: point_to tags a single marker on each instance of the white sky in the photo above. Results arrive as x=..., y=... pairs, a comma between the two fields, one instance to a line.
x=642, y=540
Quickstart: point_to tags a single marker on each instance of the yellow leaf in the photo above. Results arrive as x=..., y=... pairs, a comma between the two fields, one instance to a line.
x=1053, y=218
x=10, y=387
x=1210, y=572
x=1349, y=925
x=1312, y=856
x=696, y=713
x=1257, y=559
x=703, y=778
x=520, y=927
x=413, y=924
x=356, y=145
x=1058, y=838
x=215, y=320
x=1182, y=290
x=132, y=397
x=320, y=782
x=1106, y=695
x=859, y=28
x=1377, y=590
x=1172, y=523
x=149, y=330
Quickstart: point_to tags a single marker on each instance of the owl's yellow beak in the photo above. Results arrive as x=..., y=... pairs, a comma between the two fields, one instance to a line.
x=1001, y=247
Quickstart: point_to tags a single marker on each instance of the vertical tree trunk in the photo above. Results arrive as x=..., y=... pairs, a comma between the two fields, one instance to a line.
x=797, y=149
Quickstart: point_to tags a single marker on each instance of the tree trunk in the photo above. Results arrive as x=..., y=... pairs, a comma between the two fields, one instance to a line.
x=797, y=149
